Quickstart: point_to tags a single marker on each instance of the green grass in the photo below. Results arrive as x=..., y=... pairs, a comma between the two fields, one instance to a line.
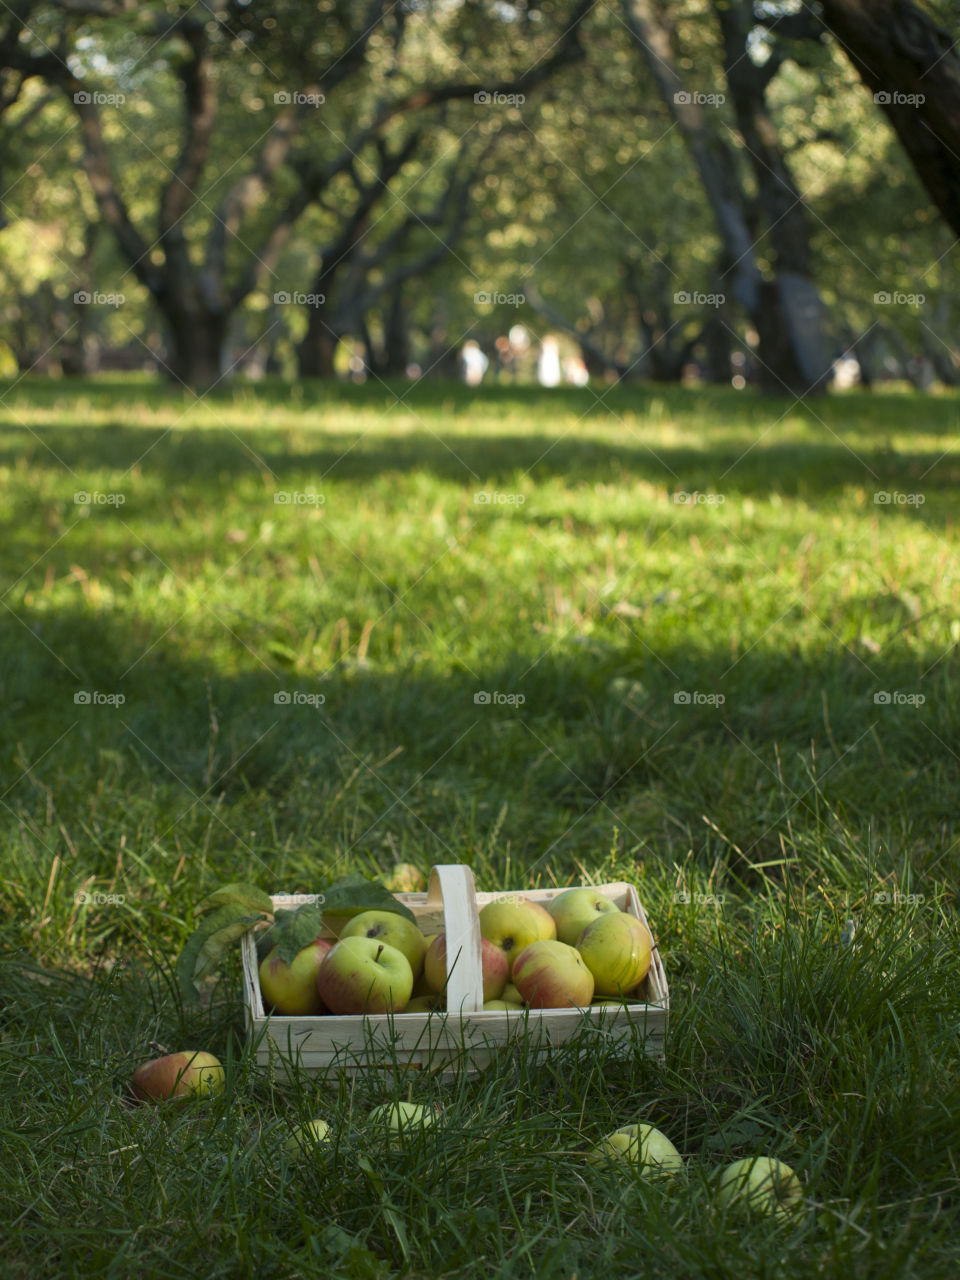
x=754, y=827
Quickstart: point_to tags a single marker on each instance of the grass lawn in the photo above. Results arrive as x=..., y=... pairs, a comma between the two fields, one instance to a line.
x=747, y=702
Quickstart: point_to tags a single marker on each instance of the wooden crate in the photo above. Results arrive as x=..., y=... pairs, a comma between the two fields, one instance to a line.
x=464, y=1035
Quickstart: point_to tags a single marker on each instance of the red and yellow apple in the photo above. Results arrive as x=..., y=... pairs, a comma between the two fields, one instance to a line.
x=362, y=975
x=291, y=989
x=178, y=1075
x=513, y=923
x=552, y=975
x=616, y=949
x=494, y=967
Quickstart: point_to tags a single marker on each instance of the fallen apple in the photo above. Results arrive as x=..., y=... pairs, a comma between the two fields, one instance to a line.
x=513, y=923
x=393, y=929
x=616, y=949
x=574, y=909
x=494, y=966
x=362, y=975
x=291, y=989
x=552, y=975
x=178, y=1075
x=307, y=1136
x=402, y=1118
x=641, y=1145
x=760, y=1184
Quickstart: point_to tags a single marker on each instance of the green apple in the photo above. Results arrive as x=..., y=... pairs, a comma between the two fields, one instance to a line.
x=405, y=878
x=424, y=1004
x=402, y=1118
x=501, y=1004
x=291, y=989
x=760, y=1184
x=494, y=967
x=643, y=1146
x=396, y=931
x=511, y=994
x=551, y=975
x=362, y=975
x=178, y=1075
x=307, y=1136
x=616, y=949
x=574, y=909
x=513, y=923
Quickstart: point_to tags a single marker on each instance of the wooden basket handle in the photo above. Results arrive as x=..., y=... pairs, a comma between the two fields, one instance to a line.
x=452, y=886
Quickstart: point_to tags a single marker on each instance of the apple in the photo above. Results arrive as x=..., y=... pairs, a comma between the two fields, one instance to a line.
x=362, y=975
x=405, y=878
x=552, y=975
x=513, y=923
x=511, y=994
x=616, y=949
x=641, y=1145
x=574, y=909
x=494, y=967
x=396, y=931
x=501, y=1004
x=424, y=1004
x=178, y=1075
x=305, y=1136
x=402, y=1118
x=760, y=1184
x=292, y=988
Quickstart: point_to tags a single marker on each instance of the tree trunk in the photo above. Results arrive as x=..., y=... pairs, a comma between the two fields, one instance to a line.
x=912, y=66
x=396, y=338
x=197, y=341
x=316, y=352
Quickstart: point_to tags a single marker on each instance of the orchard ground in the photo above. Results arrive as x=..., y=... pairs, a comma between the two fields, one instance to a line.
x=697, y=640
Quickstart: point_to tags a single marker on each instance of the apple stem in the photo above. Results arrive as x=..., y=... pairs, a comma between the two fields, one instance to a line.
x=379, y=950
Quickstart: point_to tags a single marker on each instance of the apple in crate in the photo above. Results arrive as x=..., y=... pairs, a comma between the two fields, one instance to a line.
x=291, y=989
x=760, y=1184
x=551, y=975
x=616, y=949
x=574, y=909
x=494, y=967
x=513, y=923
x=362, y=975
x=178, y=1075
x=394, y=929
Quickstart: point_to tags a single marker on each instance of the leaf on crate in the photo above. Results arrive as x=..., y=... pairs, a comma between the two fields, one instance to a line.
x=241, y=894
x=202, y=950
x=353, y=894
x=291, y=931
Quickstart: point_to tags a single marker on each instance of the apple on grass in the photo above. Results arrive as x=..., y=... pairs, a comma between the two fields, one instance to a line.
x=291, y=989
x=552, y=975
x=574, y=909
x=362, y=975
x=395, y=930
x=616, y=949
x=307, y=1136
x=513, y=923
x=494, y=967
x=178, y=1075
x=402, y=1118
x=641, y=1145
x=760, y=1184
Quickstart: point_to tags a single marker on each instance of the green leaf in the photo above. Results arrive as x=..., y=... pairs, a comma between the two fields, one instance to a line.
x=202, y=951
x=291, y=931
x=353, y=894
x=244, y=895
